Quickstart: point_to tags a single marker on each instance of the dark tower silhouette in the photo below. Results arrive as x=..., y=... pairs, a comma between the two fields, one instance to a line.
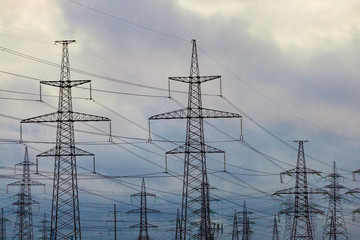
x=23, y=229
x=235, y=231
x=195, y=210
x=3, y=221
x=65, y=213
x=177, y=227
x=288, y=210
x=143, y=210
x=275, y=235
x=301, y=227
x=44, y=229
x=246, y=224
x=335, y=228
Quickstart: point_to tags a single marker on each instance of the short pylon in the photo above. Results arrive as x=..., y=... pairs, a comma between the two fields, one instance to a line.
x=246, y=224
x=301, y=228
x=44, y=229
x=24, y=226
x=143, y=210
x=275, y=235
x=335, y=228
x=3, y=221
x=178, y=224
x=235, y=231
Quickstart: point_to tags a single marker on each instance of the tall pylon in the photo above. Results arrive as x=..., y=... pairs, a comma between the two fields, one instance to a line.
x=195, y=209
x=275, y=235
x=235, y=231
x=3, y=221
x=44, y=229
x=143, y=210
x=23, y=229
x=246, y=233
x=65, y=213
x=301, y=227
x=335, y=228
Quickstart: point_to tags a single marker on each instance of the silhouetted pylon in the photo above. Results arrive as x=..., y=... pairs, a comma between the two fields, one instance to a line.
x=275, y=235
x=65, y=212
x=235, y=231
x=177, y=227
x=143, y=210
x=301, y=227
x=3, y=221
x=335, y=228
x=44, y=229
x=195, y=209
x=23, y=229
x=246, y=224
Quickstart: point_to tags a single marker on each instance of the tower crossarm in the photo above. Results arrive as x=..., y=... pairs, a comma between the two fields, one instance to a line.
x=53, y=152
x=193, y=149
x=188, y=113
x=65, y=117
x=302, y=171
x=195, y=79
x=294, y=190
x=64, y=84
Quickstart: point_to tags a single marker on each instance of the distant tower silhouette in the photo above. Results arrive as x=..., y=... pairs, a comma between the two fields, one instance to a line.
x=195, y=210
x=301, y=226
x=3, y=221
x=246, y=224
x=335, y=228
x=289, y=209
x=235, y=231
x=24, y=226
x=65, y=213
x=44, y=230
x=143, y=210
x=275, y=235
x=178, y=224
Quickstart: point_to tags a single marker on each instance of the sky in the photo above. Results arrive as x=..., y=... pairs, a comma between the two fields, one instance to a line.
x=288, y=67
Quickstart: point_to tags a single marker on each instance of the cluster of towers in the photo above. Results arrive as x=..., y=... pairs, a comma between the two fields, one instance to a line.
x=194, y=218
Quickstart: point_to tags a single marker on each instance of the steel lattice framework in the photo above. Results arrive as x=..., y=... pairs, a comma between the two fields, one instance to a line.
x=335, y=228
x=301, y=227
x=275, y=235
x=235, y=231
x=177, y=227
x=65, y=213
x=23, y=229
x=44, y=230
x=3, y=221
x=143, y=212
x=355, y=191
x=246, y=224
x=195, y=211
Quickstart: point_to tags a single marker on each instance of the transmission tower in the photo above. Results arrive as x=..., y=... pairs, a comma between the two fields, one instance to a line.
x=44, y=230
x=23, y=229
x=143, y=210
x=335, y=228
x=195, y=210
x=289, y=208
x=178, y=224
x=246, y=224
x=275, y=235
x=235, y=231
x=301, y=227
x=65, y=213
x=3, y=221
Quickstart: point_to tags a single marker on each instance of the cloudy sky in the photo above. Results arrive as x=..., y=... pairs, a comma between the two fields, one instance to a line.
x=288, y=67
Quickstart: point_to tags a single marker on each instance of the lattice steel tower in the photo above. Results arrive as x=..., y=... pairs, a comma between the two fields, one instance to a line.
x=301, y=227
x=195, y=211
x=246, y=224
x=3, y=221
x=44, y=230
x=23, y=229
x=143, y=210
x=335, y=228
x=65, y=213
x=275, y=235
x=235, y=231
